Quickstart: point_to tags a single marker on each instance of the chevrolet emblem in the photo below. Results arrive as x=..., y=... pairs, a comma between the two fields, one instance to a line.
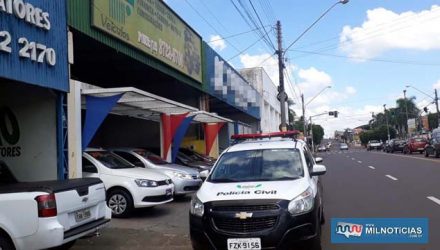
x=243, y=215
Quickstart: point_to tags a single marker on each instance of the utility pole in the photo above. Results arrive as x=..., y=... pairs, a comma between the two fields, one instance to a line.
x=311, y=135
x=406, y=111
x=386, y=119
x=282, y=96
x=436, y=106
x=304, y=116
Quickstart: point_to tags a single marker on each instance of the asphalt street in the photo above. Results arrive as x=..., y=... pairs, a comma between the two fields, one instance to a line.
x=357, y=184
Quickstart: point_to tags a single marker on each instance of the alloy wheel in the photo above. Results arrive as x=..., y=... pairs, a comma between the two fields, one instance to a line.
x=117, y=203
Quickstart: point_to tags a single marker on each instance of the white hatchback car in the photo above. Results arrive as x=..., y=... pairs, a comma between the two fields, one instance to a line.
x=127, y=186
x=262, y=193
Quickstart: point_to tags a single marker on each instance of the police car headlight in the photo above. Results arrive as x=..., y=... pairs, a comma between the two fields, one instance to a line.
x=303, y=203
x=145, y=183
x=197, y=207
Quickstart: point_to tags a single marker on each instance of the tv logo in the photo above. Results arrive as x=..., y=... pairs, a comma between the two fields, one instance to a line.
x=349, y=229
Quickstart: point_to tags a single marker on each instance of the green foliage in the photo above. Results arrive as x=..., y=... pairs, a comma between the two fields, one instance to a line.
x=432, y=120
x=379, y=133
x=318, y=134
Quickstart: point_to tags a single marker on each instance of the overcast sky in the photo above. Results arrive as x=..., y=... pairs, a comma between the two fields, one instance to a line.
x=367, y=50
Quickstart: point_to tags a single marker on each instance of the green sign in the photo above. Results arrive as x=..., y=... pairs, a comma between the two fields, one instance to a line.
x=154, y=28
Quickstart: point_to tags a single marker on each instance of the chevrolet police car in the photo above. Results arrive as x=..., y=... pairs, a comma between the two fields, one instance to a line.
x=262, y=193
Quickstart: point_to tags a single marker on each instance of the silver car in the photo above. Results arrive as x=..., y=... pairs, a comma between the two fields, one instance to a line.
x=186, y=180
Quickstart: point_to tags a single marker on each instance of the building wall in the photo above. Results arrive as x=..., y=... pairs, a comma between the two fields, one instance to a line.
x=34, y=156
x=270, y=111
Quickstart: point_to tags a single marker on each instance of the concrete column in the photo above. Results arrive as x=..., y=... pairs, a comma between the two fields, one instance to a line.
x=74, y=129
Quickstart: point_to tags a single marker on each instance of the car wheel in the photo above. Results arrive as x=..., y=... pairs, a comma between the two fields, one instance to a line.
x=405, y=151
x=5, y=243
x=120, y=202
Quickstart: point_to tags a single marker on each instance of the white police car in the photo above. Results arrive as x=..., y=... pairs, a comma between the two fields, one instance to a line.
x=262, y=193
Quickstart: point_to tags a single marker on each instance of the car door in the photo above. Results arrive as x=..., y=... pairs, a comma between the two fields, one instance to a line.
x=310, y=161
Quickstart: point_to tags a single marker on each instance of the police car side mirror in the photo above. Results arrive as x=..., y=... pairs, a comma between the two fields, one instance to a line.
x=204, y=174
x=318, y=170
x=318, y=159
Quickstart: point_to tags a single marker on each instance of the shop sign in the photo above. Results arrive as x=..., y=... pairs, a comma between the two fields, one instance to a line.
x=152, y=27
x=33, y=42
x=9, y=134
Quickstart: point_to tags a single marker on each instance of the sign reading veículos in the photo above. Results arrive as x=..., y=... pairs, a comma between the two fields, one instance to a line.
x=151, y=26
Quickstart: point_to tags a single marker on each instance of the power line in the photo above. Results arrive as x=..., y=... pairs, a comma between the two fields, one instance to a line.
x=210, y=25
x=366, y=59
x=240, y=52
x=261, y=23
x=235, y=35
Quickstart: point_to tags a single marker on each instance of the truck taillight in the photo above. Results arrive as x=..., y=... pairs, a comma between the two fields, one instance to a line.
x=47, y=205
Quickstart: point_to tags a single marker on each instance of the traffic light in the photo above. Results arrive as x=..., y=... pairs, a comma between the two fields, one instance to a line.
x=333, y=113
x=425, y=109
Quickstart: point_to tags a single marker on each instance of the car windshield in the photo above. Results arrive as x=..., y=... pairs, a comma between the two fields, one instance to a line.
x=419, y=140
x=110, y=160
x=258, y=165
x=151, y=157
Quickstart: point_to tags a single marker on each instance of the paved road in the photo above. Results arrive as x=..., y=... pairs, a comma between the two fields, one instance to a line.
x=357, y=184
x=376, y=184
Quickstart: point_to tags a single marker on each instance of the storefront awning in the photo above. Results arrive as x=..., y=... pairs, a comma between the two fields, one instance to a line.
x=144, y=105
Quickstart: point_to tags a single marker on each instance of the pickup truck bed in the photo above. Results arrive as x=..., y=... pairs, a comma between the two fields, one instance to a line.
x=45, y=214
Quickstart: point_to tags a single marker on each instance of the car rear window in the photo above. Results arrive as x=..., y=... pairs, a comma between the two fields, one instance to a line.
x=258, y=165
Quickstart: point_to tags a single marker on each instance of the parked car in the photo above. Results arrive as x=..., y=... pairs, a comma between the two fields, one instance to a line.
x=40, y=215
x=185, y=160
x=343, y=146
x=395, y=145
x=186, y=180
x=128, y=187
x=197, y=156
x=433, y=147
x=374, y=144
x=415, y=145
x=322, y=148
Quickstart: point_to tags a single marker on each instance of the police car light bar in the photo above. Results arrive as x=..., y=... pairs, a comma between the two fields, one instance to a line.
x=290, y=134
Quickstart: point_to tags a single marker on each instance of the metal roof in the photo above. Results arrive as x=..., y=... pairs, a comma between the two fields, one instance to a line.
x=144, y=105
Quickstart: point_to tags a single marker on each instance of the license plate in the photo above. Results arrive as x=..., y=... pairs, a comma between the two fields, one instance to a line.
x=244, y=244
x=82, y=215
x=169, y=191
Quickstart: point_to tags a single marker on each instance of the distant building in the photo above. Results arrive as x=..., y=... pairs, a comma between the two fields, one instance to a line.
x=270, y=106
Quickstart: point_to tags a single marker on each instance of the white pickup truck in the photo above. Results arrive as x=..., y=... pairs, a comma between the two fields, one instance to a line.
x=40, y=215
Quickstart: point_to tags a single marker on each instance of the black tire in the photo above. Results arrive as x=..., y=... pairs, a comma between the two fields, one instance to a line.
x=120, y=202
x=404, y=151
x=5, y=242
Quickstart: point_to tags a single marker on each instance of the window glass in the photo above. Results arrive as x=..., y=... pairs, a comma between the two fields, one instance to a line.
x=129, y=157
x=88, y=166
x=110, y=160
x=258, y=165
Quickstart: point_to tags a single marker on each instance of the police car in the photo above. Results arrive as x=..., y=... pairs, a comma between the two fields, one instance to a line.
x=262, y=193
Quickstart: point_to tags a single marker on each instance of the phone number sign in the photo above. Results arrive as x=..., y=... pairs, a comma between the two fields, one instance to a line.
x=33, y=42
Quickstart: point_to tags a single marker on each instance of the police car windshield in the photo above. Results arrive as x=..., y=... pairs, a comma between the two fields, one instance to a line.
x=258, y=165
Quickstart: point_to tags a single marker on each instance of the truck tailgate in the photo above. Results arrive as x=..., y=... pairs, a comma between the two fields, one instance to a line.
x=81, y=204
